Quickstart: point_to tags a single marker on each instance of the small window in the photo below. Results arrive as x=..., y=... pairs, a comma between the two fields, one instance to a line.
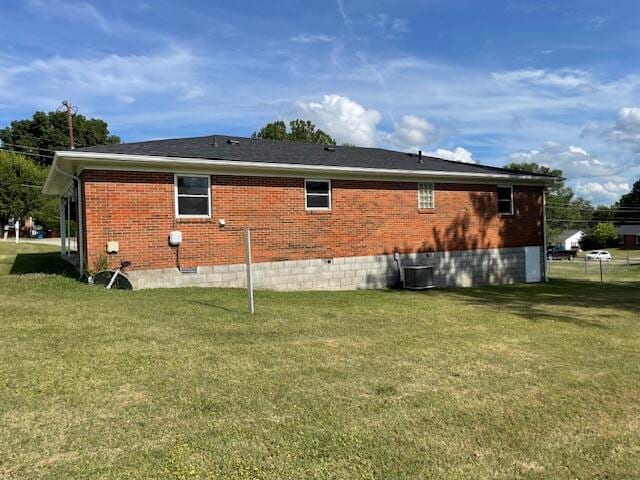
x=505, y=200
x=317, y=194
x=193, y=195
x=426, y=197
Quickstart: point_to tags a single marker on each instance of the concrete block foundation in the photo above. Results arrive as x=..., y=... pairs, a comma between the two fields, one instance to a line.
x=464, y=268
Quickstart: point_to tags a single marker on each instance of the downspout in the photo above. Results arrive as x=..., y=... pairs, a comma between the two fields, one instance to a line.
x=544, y=232
x=80, y=245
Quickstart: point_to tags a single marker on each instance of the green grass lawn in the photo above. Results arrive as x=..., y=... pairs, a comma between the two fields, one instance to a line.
x=526, y=381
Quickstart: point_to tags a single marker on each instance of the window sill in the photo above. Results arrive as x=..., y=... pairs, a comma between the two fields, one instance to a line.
x=506, y=215
x=318, y=211
x=428, y=211
x=193, y=220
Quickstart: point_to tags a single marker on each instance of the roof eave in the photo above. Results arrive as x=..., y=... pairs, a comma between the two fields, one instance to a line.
x=83, y=160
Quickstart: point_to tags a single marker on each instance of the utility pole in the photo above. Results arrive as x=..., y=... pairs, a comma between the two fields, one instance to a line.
x=70, y=113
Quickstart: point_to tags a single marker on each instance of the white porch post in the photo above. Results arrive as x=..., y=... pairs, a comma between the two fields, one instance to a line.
x=80, y=226
x=17, y=228
x=68, y=223
x=62, y=227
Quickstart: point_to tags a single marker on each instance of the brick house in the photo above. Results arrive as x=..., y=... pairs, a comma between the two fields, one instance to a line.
x=629, y=236
x=322, y=217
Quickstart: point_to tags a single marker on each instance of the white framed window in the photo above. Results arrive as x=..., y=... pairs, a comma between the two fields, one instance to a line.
x=505, y=199
x=426, y=196
x=192, y=196
x=317, y=194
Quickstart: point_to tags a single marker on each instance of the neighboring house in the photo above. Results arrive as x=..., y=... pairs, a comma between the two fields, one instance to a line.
x=322, y=217
x=570, y=239
x=629, y=236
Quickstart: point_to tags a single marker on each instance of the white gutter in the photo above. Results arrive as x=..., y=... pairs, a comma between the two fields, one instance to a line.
x=80, y=245
x=188, y=161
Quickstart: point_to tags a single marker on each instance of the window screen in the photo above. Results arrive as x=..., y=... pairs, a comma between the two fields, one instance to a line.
x=505, y=200
x=193, y=196
x=317, y=194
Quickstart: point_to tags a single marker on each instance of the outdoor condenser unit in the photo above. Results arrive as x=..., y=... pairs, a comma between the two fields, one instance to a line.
x=418, y=277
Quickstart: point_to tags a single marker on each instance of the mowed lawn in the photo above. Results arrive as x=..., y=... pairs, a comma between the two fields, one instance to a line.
x=526, y=381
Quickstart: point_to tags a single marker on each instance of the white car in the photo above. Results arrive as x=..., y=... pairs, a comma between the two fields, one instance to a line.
x=598, y=255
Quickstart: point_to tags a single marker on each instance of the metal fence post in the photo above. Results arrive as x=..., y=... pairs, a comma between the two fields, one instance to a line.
x=601, y=280
x=547, y=265
x=247, y=258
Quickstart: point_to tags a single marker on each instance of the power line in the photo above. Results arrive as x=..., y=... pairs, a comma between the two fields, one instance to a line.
x=30, y=185
x=25, y=153
x=26, y=146
x=566, y=220
x=595, y=210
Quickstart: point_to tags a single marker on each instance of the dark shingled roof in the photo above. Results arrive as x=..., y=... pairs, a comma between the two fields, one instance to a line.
x=629, y=230
x=271, y=151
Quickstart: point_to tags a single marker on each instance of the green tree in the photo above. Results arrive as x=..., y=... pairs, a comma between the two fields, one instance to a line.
x=21, y=182
x=303, y=131
x=605, y=235
x=273, y=131
x=629, y=206
x=44, y=133
x=605, y=214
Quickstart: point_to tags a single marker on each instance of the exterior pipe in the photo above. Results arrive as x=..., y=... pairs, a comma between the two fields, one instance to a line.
x=80, y=246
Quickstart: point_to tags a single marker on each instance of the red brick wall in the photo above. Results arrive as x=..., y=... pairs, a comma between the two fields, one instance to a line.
x=367, y=218
x=629, y=241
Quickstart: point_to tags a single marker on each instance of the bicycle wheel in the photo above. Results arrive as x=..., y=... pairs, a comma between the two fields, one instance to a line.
x=103, y=278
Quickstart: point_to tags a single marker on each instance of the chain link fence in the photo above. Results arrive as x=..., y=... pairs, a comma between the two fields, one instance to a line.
x=623, y=266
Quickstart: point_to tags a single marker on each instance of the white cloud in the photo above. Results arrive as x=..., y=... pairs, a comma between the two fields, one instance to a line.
x=345, y=18
x=459, y=154
x=411, y=133
x=81, y=11
x=311, y=38
x=626, y=130
x=344, y=119
x=115, y=76
x=568, y=79
x=350, y=122
x=574, y=161
x=387, y=25
x=600, y=193
x=600, y=181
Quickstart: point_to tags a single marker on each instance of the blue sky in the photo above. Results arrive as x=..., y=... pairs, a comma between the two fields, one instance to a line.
x=556, y=82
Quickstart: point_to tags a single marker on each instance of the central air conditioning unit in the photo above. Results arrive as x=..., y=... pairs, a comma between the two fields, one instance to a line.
x=418, y=277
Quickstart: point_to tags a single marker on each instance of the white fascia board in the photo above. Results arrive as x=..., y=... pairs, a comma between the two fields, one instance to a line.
x=89, y=160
